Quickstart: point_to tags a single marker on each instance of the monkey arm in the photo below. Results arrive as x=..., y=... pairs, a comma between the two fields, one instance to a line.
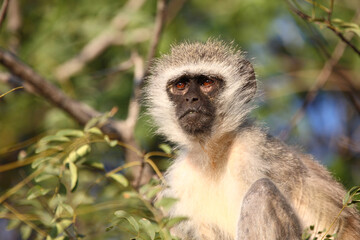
x=265, y=214
x=309, y=188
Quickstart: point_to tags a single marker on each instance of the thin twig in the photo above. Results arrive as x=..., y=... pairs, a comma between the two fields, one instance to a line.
x=159, y=24
x=333, y=222
x=111, y=71
x=14, y=81
x=327, y=23
x=319, y=83
x=2, y=95
x=24, y=219
x=13, y=24
x=353, y=90
x=331, y=10
x=3, y=11
x=173, y=8
x=342, y=37
x=18, y=186
x=133, y=115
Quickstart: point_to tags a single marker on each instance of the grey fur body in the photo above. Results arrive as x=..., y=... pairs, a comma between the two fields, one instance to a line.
x=236, y=181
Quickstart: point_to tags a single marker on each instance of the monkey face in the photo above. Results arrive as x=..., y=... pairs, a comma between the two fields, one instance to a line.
x=209, y=87
x=194, y=98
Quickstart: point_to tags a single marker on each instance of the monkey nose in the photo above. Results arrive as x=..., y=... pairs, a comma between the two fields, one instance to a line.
x=192, y=99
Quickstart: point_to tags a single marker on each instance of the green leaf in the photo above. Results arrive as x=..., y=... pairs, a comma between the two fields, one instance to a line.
x=129, y=218
x=170, y=222
x=44, y=177
x=59, y=210
x=78, y=153
x=109, y=228
x=45, y=147
x=95, y=164
x=70, y=133
x=25, y=231
x=73, y=175
x=90, y=124
x=148, y=227
x=130, y=194
x=166, y=148
x=13, y=223
x=165, y=202
x=153, y=192
x=53, y=138
x=61, y=226
x=352, y=196
x=62, y=189
x=72, y=157
x=347, y=26
x=83, y=150
x=53, y=233
x=95, y=130
x=149, y=190
x=37, y=191
x=354, y=30
x=120, y=179
x=165, y=234
x=68, y=208
x=39, y=161
x=346, y=199
x=144, y=189
x=112, y=143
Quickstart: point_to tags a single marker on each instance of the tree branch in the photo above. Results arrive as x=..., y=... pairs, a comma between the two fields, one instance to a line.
x=319, y=83
x=13, y=24
x=159, y=24
x=3, y=11
x=96, y=46
x=78, y=111
x=14, y=82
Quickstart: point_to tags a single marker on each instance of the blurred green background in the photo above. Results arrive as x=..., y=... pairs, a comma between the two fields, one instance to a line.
x=288, y=53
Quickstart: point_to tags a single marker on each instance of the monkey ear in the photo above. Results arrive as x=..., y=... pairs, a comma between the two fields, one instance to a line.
x=250, y=87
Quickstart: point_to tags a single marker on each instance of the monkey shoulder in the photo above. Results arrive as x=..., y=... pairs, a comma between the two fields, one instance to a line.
x=267, y=154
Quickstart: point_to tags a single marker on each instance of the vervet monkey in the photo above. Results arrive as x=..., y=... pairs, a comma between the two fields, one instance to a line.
x=232, y=179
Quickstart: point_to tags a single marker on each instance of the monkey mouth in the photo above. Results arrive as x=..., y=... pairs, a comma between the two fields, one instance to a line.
x=195, y=121
x=192, y=112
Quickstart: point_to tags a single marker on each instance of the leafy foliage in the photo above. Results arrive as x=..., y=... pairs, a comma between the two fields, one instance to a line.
x=67, y=189
x=351, y=199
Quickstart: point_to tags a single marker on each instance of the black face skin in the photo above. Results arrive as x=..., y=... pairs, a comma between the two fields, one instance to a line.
x=194, y=97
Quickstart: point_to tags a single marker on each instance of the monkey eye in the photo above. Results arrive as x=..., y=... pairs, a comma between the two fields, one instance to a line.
x=208, y=82
x=180, y=85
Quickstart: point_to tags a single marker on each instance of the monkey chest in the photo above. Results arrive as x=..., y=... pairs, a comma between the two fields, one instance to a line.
x=209, y=203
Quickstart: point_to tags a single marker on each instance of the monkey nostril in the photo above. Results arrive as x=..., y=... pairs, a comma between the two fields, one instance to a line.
x=191, y=99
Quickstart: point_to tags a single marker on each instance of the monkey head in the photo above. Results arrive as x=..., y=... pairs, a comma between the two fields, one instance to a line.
x=200, y=88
